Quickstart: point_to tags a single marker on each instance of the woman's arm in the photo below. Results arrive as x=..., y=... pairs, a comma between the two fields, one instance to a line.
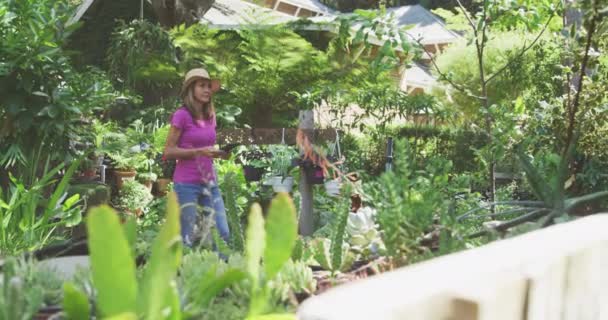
x=172, y=151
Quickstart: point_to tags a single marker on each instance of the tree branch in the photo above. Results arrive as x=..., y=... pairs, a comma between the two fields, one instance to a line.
x=466, y=15
x=522, y=52
x=444, y=76
x=576, y=102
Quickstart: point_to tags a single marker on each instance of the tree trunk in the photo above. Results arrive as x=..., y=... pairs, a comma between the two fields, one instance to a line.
x=306, y=223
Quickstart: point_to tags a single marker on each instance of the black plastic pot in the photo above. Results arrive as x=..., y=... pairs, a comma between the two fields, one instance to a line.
x=315, y=175
x=252, y=173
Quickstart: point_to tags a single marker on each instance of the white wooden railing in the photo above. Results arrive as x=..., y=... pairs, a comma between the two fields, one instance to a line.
x=557, y=273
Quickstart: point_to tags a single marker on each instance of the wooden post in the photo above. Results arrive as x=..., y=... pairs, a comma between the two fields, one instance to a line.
x=306, y=223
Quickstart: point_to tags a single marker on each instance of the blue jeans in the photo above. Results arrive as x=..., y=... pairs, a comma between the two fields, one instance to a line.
x=208, y=196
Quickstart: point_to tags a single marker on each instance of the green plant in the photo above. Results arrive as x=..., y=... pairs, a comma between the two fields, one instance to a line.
x=233, y=211
x=160, y=138
x=25, y=287
x=548, y=180
x=254, y=156
x=30, y=218
x=407, y=202
x=142, y=54
x=281, y=162
x=364, y=237
x=297, y=277
x=274, y=240
x=328, y=248
x=87, y=164
x=133, y=196
x=147, y=176
x=113, y=269
x=43, y=98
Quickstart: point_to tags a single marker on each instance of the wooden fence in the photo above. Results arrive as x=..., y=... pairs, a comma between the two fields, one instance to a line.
x=558, y=273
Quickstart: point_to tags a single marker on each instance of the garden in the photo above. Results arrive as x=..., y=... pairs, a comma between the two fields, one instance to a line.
x=512, y=137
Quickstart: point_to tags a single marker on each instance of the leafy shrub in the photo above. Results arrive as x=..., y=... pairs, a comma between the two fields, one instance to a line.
x=142, y=54
x=25, y=287
x=409, y=202
x=43, y=98
x=30, y=216
x=133, y=197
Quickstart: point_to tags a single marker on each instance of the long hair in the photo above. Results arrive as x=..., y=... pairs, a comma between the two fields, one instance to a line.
x=208, y=108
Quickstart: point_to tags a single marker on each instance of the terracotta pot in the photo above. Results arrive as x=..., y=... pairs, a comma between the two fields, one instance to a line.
x=148, y=185
x=162, y=185
x=121, y=176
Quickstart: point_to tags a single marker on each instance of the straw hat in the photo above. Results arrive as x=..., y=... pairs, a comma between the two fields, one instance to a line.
x=199, y=73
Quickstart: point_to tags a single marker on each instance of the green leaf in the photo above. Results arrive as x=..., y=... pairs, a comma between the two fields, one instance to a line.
x=130, y=229
x=278, y=316
x=61, y=187
x=281, y=234
x=538, y=184
x=113, y=268
x=75, y=303
x=174, y=303
x=162, y=266
x=254, y=244
x=214, y=285
x=123, y=316
x=575, y=202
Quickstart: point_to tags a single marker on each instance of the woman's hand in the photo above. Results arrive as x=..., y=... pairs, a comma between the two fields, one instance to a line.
x=211, y=153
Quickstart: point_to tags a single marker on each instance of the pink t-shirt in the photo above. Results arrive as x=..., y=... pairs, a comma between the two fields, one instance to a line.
x=195, y=134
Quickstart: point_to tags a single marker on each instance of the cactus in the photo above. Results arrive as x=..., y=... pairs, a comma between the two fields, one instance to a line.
x=232, y=212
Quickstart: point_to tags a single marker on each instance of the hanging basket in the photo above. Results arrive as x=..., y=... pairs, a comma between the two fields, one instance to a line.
x=252, y=173
x=314, y=173
x=332, y=187
x=280, y=184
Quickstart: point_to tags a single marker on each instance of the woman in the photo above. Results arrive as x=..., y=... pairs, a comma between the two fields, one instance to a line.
x=191, y=141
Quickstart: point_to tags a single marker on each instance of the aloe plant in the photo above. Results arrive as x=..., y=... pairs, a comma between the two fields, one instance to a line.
x=550, y=191
x=232, y=211
x=273, y=240
x=119, y=296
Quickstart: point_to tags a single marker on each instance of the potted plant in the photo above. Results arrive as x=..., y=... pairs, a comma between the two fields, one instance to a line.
x=147, y=179
x=88, y=168
x=332, y=186
x=254, y=162
x=133, y=198
x=124, y=167
x=314, y=164
x=281, y=166
x=167, y=166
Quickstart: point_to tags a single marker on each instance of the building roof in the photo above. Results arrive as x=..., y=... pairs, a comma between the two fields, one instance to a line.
x=427, y=27
x=82, y=8
x=417, y=76
x=232, y=14
x=313, y=5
